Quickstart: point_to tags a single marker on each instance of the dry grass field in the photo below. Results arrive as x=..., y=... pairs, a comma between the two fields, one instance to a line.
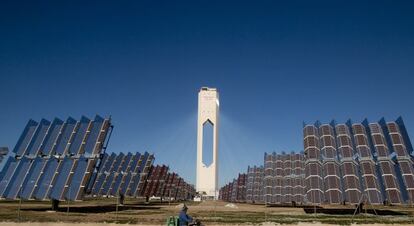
x=210, y=213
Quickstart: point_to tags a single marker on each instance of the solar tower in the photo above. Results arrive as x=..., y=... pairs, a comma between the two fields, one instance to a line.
x=208, y=113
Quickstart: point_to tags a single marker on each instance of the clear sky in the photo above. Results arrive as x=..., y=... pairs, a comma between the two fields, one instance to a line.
x=143, y=62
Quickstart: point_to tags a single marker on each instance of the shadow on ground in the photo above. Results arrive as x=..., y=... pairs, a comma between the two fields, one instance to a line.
x=339, y=211
x=96, y=209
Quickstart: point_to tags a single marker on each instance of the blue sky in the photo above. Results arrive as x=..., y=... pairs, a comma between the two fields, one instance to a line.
x=274, y=64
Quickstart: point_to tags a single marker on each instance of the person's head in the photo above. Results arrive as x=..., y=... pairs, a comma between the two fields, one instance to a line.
x=185, y=208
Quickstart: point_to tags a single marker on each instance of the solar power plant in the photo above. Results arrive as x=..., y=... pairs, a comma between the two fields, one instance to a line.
x=175, y=184
x=121, y=174
x=178, y=186
x=287, y=179
x=313, y=166
x=284, y=178
x=258, y=184
x=333, y=193
x=349, y=165
x=222, y=195
x=234, y=191
x=110, y=176
x=156, y=179
x=162, y=182
x=369, y=173
x=235, y=187
x=182, y=190
x=192, y=190
x=241, y=187
x=268, y=180
x=229, y=191
x=280, y=181
x=104, y=168
x=134, y=175
x=168, y=188
x=344, y=163
x=65, y=160
x=249, y=185
x=224, y=192
x=54, y=160
x=7, y=173
x=298, y=177
x=254, y=188
x=375, y=162
x=278, y=174
x=3, y=152
x=139, y=180
x=386, y=165
x=187, y=191
x=403, y=159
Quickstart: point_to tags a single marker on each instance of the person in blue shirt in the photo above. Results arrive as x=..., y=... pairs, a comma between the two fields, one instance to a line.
x=183, y=218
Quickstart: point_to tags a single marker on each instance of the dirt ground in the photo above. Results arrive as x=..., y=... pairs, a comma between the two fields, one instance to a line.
x=109, y=224
x=104, y=212
x=58, y=224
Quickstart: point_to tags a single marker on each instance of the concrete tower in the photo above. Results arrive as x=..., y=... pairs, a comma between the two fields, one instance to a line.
x=208, y=112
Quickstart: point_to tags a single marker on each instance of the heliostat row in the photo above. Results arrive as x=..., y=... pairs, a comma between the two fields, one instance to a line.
x=342, y=163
